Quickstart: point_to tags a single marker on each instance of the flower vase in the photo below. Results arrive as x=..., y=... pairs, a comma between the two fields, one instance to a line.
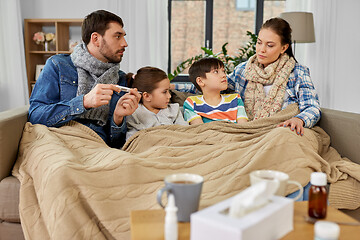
x=46, y=46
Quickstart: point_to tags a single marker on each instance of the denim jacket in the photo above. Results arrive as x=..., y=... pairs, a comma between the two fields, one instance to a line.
x=53, y=101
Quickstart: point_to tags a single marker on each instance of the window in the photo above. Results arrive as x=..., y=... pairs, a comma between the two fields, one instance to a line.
x=273, y=8
x=230, y=25
x=245, y=5
x=187, y=30
x=211, y=23
x=190, y=29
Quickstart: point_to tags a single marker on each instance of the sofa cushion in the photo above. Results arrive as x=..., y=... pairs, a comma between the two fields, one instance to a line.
x=179, y=97
x=11, y=126
x=344, y=131
x=11, y=231
x=9, y=199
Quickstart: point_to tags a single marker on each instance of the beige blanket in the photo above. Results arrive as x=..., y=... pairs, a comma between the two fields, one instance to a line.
x=73, y=186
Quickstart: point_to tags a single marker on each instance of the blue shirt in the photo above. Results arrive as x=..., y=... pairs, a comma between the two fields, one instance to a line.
x=53, y=101
x=300, y=89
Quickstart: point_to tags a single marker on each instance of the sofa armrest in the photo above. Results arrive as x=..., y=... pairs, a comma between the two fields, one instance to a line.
x=11, y=126
x=344, y=131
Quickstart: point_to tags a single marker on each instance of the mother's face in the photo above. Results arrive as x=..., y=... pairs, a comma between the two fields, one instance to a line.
x=268, y=47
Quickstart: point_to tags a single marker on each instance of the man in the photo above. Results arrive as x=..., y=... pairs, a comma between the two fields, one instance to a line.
x=82, y=86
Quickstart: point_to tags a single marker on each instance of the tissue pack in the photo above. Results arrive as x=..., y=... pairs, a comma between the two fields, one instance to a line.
x=272, y=221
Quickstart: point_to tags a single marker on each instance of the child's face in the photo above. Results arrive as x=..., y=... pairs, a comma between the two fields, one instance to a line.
x=216, y=79
x=160, y=96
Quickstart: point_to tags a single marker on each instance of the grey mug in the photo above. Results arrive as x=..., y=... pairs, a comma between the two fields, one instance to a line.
x=186, y=189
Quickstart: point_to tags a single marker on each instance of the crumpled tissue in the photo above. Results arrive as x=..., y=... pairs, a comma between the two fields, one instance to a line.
x=252, y=198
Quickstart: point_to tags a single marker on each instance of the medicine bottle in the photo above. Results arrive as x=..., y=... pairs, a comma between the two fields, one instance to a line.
x=171, y=223
x=318, y=195
x=324, y=230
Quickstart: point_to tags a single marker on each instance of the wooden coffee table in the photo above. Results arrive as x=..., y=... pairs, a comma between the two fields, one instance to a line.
x=149, y=224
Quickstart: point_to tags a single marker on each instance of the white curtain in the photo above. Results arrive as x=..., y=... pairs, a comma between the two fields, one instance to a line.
x=13, y=83
x=334, y=57
x=146, y=25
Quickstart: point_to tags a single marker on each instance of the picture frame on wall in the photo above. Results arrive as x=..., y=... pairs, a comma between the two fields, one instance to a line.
x=38, y=70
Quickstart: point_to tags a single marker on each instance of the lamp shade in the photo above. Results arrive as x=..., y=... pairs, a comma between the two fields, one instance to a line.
x=302, y=25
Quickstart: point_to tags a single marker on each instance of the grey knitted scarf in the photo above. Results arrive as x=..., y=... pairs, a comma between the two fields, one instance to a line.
x=92, y=71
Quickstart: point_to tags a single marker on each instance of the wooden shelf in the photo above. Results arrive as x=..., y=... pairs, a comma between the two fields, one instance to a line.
x=64, y=52
x=43, y=52
x=35, y=54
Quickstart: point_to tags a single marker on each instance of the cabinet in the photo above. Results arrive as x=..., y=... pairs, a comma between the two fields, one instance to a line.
x=64, y=30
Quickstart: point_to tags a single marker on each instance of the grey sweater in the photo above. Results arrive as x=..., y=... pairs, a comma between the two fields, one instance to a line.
x=142, y=118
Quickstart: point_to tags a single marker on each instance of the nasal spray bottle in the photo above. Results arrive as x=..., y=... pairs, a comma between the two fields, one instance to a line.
x=171, y=223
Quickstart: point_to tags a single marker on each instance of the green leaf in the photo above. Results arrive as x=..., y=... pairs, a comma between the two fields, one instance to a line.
x=223, y=48
x=207, y=51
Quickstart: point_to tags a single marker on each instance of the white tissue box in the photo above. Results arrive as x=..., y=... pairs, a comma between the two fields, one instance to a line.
x=272, y=221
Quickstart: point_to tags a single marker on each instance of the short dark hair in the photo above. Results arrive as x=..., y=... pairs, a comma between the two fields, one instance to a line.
x=98, y=22
x=203, y=66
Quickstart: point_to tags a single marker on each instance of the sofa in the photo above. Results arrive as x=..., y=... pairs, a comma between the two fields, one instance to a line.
x=343, y=128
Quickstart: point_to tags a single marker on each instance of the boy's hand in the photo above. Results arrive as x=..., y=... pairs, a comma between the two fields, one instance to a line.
x=196, y=121
x=294, y=124
x=242, y=120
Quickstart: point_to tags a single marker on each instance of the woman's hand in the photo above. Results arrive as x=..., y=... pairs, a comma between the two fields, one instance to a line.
x=295, y=124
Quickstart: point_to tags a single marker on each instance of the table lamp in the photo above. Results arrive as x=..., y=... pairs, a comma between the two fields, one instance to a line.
x=302, y=25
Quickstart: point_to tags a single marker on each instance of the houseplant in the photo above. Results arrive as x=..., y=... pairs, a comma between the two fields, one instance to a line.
x=230, y=62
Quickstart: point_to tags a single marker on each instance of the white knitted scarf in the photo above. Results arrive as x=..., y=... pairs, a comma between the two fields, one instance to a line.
x=257, y=104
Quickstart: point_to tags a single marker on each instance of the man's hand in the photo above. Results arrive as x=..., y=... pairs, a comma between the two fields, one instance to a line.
x=100, y=95
x=294, y=124
x=126, y=105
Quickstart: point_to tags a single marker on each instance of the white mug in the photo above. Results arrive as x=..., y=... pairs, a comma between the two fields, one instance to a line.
x=276, y=179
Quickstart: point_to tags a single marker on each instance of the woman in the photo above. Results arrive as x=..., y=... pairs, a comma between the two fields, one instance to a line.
x=272, y=79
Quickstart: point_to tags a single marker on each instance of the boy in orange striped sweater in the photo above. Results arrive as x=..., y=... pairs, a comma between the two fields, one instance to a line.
x=208, y=75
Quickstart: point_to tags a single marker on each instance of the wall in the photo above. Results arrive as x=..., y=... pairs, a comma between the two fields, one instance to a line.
x=333, y=58
x=63, y=8
x=345, y=78
x=13, y=83
x=145, y=24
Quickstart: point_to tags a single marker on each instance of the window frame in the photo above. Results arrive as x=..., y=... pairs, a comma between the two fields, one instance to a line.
x=248, y=8
x=209, y=7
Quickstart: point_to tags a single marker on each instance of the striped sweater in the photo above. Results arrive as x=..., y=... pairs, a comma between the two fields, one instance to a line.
x=231, y=108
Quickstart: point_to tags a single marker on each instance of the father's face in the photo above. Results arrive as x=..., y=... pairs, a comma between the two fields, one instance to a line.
x=113, y=43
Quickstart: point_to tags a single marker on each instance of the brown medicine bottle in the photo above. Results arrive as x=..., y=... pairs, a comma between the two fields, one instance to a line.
x=318, y=195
